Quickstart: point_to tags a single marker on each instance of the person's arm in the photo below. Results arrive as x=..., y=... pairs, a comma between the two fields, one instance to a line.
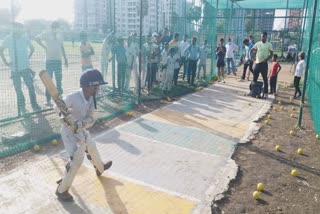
x=31, y=50
x=3, y=57
x=279, y=68
x=39, y=39
x=64, y=55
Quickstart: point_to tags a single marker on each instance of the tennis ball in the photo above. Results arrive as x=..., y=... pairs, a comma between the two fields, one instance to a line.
x=293, y=108
x=200, y=88
x=249, y=104
x=266, y=122
x=256, y=195
x=269, y=116
x=292, y=115
x=291, y=99
x=291, y=132
x=130, y=114
x=294, y=172
x=169, y=99
x=317, y=136
x=274, y=108
x=277, y=148
x=36, y=148
x=279, y=102
x=300, y=151
x=260, y=186
x=281, y=107
x=54, y=142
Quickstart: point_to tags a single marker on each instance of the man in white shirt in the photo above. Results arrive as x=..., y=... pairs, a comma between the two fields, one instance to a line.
x=54, y=50
x=301, y=66
x=132, y=54
x=231, y=48
x=79, y=142
x=203, y=60
x=184, y=44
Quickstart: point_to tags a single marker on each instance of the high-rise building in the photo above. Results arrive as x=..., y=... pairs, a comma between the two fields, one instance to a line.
x=294, y=19
x=90, y=15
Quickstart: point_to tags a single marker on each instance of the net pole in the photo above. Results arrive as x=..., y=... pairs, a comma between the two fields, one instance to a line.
x=140, y=53
x=308, y=62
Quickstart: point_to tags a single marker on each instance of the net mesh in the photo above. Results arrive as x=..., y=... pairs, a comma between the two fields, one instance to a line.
x=26, y=119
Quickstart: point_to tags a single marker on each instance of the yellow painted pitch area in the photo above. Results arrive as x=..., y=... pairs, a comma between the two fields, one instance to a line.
x=116, y=195
x=236, y=130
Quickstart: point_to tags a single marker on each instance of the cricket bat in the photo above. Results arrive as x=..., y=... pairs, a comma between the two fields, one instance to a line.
x=57, y=98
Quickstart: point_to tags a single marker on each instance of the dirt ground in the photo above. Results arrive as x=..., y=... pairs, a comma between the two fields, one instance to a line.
x=258, y=161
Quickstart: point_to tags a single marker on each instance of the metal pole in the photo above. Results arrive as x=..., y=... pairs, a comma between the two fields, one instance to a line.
x=140, y=52
x=306, y=4
x=314, y=12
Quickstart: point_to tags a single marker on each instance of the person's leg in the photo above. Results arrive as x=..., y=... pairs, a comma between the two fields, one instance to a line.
x=204, y=66
x=27, y=78
x=228, y=65
x=199, y=69
x=264, y=73
x=233, y=67
x=245, y=66
x=175, y=76
x=16, y=78
x=189, y=71
x=256, y=72
x=271, y=85
x=94, y=157
x=194, y=70
x=50, y=70
x=58, y=75
x=275, y=84
x=298, y=86
x=295, y=81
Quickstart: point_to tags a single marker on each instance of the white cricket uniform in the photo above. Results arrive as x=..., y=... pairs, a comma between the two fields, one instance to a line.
x=104, y=59
x=77, y=145
x=132, y=53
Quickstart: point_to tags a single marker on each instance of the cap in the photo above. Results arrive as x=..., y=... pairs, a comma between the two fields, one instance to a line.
x=155, y=34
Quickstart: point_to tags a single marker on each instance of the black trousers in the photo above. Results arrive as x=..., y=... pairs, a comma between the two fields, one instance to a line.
x=273, y=84
x=296, y=83
x=263, y=69
x=192, y=66
x=175, y=76
x=245, y=66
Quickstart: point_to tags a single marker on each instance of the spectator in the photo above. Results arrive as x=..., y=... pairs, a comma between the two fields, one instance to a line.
x=20, y=51
x=105, y=54
x=264, y=52
x=248, y=61
x=120, y=54
x=203, y=60
x=301, y=66
x=132, y=53
x=230, y=49
x=183, y=46
x=86, y=51
x=54, y=49
x=275, y=69
x=193, y=52
x=221, y=53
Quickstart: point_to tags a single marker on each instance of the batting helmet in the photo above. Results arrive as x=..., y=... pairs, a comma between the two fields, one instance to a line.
x=91, y=77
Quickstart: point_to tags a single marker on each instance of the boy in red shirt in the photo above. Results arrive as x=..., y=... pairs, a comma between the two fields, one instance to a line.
x=275, y=69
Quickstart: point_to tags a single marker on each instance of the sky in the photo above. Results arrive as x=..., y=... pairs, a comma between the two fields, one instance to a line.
x=43, y=9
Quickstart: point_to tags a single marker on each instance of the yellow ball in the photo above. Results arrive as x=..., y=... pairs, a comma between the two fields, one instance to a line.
x=169, y=99
x=266, y=122
x=260, y=186
x=294, y=172
x=54, y=142
x=130, y=114
x=292, y=115
x=256, y=195
x=292, y=132
x=293, y=108
x=300, y=151
x=291, y=99
x=277, y=148
x=36, y=148
x=249, y=104
x=274, y=108
x=281, y=107
x=317, y=136
x=279, y=102
x=269, y=116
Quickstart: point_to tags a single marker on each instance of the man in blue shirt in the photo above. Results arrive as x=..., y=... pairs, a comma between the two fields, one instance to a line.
x=18, y=45
x=193, y=53
x=248, y=61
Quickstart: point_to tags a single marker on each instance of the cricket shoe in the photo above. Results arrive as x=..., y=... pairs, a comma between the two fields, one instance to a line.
x=105, y=167
x=65, y=196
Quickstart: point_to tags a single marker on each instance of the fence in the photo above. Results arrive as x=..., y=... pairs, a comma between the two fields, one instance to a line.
x=24, y=124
